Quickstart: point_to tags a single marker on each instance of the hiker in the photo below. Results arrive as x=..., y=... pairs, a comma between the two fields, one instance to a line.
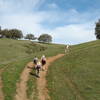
x=43, y=61
x=35, y=60
x=38, y=67
x=67, y=49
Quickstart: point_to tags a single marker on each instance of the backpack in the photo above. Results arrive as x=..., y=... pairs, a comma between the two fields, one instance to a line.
x=35, y=60
x=38, y=66
x=43, y=61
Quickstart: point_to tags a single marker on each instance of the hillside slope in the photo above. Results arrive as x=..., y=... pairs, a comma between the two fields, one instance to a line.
x=11, y=50
x=14, y=55
x=76, y=76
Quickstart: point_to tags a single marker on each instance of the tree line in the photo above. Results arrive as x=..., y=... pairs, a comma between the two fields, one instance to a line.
x=17, y=34
x=97, y=29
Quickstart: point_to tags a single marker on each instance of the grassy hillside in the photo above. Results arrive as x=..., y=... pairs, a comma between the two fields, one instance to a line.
x=14, y=55
x=76, y=76
x=11, y=50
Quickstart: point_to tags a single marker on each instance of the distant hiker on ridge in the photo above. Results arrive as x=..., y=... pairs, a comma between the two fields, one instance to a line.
x=67, y=48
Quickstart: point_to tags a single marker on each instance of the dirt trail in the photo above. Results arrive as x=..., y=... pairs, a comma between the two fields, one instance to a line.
x=1, y=86
x=22, y=85
x=42, y=83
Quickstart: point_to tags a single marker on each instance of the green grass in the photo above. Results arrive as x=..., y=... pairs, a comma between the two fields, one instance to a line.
x=82, y=68
x=11, y=49
x=10, y=77
x=17, y=54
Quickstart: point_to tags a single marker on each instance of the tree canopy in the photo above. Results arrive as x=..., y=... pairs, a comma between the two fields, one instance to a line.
x=45, y=38
x=0, y=28
x=97, y=29
x=17, y=34
x=30, y=37
x=12, y=33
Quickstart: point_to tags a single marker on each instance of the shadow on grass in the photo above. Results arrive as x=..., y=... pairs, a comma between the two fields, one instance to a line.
x=33, y=74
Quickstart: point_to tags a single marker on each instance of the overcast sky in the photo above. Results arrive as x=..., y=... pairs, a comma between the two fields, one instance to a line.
x=68, y=21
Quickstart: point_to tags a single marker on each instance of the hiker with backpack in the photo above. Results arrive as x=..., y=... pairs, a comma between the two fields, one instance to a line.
x=37, y=68
x=43, y=61
x=35, y=60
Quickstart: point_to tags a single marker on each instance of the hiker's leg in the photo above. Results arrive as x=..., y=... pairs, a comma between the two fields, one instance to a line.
x=68, y=50
x=65, y=51
x=43, y=67
x=38, y=71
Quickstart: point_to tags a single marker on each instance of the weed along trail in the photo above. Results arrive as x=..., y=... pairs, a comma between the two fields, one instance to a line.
x=1, y=85
x=42, y=83
x=1, y=93
x=22, y=85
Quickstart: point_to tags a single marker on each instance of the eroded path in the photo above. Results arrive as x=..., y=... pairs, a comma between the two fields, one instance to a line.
x=42, y=83
x=22, y=85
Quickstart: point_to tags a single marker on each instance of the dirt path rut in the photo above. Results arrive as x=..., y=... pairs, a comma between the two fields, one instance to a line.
x=42, y=83
x=22, y=85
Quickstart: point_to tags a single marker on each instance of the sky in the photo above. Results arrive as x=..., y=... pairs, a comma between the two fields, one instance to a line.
x=67, y=21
